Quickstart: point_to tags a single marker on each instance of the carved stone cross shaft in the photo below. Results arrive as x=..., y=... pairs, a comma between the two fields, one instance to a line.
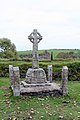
x=35, y=38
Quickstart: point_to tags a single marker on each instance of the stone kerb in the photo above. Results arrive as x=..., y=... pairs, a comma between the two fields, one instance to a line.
x=65, y=80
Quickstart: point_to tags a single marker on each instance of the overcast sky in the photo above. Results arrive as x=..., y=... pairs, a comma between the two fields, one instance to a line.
x=58, y=21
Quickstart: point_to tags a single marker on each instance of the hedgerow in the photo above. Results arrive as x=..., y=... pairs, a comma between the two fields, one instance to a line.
x=74, y=69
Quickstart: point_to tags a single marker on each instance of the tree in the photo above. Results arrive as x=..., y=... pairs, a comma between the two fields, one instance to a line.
x=7, y=49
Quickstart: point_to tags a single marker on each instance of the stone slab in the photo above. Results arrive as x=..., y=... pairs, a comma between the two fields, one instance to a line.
x=35, y=85
x=33, y=88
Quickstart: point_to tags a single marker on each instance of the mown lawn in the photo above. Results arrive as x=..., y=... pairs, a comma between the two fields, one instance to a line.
x=39, y=108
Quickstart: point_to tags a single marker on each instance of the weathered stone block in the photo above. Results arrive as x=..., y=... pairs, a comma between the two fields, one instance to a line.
x=50, y=73
x=65, y=80
x=36, y=76
x=11, y=75
x=14, y=80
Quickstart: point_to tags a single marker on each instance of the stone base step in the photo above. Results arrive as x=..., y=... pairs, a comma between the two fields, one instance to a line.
x=52, y=89
x=35, y=85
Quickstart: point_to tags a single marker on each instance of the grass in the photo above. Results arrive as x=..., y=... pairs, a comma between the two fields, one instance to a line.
x=24, y=52
x=39, y=108
x=16, y=63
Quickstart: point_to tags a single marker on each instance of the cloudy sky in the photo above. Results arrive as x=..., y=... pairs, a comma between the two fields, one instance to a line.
x=58, y=21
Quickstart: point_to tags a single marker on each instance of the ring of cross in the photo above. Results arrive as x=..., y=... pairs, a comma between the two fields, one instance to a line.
x=31, y=37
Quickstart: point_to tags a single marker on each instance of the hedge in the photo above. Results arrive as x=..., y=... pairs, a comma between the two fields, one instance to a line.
x=74, y=70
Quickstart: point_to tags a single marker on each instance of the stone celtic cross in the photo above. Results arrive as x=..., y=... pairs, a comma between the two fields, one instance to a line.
x=35, y=37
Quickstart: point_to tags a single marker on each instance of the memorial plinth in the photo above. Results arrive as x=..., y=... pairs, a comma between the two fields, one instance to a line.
x=35, y=76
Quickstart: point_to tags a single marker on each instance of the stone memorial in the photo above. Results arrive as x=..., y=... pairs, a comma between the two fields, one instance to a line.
x=36, y=82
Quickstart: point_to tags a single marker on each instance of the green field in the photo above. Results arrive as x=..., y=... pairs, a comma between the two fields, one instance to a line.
x=24, y=52
x=39, y=108
x=55, y=51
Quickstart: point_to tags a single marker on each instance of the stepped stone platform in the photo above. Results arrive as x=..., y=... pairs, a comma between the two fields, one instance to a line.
x=36, y=81
x=42, y=89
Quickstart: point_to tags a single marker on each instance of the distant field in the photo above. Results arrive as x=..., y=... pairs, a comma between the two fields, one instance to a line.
x=24, y=52
x=55, y=51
